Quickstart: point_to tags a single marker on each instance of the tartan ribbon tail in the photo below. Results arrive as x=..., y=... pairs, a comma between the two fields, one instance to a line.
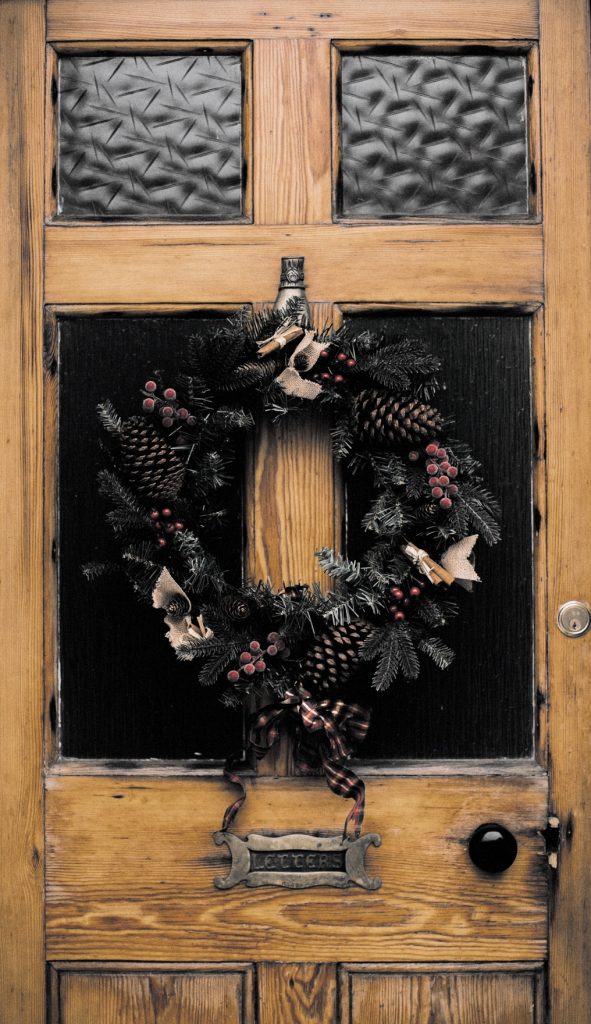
x=344, y=782
x=233, y=808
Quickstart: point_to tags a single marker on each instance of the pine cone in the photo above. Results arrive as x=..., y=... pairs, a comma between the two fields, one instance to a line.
x=235, y=608
x=249, y=375
x=331, y=662
x=385, y=419
x=152, y=467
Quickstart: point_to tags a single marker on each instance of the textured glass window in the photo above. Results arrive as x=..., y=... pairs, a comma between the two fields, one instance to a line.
x=150, y=136
x=433, y=135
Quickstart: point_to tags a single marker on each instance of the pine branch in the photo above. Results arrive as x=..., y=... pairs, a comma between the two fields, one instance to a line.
x=342, y=437
x=111, y=487
x=389, y=661
x=123, y=521
x=338, y=567
x=409, y=659
x=480, y=516
x=386, y=514
x=94, y=570
x=210, y=672
x=109, y=417
x=441, y=654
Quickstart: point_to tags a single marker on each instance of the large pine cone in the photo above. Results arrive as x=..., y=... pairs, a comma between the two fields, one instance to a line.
x=153, y=469
x=332, y=661
x=385, y=419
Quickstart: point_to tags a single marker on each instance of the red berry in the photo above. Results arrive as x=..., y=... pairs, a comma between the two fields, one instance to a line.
x=433, y=481
x=179, y=526
x=393, y=608
x=431, y=449
x=150, y=385
x=254, y=646
x=167, y=422
x=154, y=514
x=338, y=378
x=415, y=591
x=414, y=456
x=170, y=393
x=260, y=666
x=162, y=542
x=400, y=617
x=273, y=638
x=325, y=376
x=452, y=471
x=191, y=421
x=432, y=468
x=182, y=413
x=148, y=404
x=444, y=480
x=169, y=528
x=446, y=502
x=157, y=525
x=245, y=658
x=397, y=592
x=233, y=676
x=248, y=670
x=406, y=602
x=436, y=492
x=271, y=650
x=342, y=357
x=444, y=465
x=351, y=363
x=167, y=512
x=285, y=653
x=280, y=644
x=441, y=452
x=452, y=489
x=324, y=353
x=166, y=410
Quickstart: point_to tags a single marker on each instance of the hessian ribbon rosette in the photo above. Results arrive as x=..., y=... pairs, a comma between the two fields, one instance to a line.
x=327, y=732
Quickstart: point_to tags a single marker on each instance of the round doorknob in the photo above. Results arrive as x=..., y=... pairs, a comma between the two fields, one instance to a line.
x=492, y=848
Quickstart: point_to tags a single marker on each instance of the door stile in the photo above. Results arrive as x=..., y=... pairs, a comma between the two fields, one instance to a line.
x=22, y=971
x=566, y=113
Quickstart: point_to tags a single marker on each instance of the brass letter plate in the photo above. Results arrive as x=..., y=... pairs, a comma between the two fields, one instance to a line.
x=297, y=861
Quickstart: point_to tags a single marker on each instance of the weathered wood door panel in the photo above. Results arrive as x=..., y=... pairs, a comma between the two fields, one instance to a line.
x=110, y=909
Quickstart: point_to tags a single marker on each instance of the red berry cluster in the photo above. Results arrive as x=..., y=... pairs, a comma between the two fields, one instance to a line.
x=401, y=600
x=163, y=522
x=333, y=369
x=252, y=659
x=440, y=472
x=166, y=406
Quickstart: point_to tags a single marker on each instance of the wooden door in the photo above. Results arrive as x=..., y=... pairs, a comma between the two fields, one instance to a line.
x=110, y=913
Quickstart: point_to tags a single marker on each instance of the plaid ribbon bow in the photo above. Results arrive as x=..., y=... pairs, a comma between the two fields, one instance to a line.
x=327, y=732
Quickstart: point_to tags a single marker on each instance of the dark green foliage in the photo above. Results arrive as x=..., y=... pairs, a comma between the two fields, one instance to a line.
x=225, y=387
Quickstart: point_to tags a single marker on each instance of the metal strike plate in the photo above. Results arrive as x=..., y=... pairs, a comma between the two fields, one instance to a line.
x=574, y=618
x=297, y=861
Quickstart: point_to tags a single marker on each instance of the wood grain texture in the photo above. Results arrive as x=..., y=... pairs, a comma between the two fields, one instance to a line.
x=291, y=131
x=122, y=994
x=374, y=19
x=435, y=996
x=21, y=594
x=566, y=113
x=298, y=993
x=291, y=508
x=389, y=263
x=131, y=866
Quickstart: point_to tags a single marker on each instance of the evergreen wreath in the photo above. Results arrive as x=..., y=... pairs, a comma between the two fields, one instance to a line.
x=168, y=467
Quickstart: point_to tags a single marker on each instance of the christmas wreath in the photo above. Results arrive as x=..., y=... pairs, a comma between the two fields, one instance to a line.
x=318, y=653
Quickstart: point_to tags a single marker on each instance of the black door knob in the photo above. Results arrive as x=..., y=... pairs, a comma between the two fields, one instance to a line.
x=492, y=848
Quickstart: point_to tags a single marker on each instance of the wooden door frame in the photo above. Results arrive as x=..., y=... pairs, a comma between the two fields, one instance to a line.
x=566, y=107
